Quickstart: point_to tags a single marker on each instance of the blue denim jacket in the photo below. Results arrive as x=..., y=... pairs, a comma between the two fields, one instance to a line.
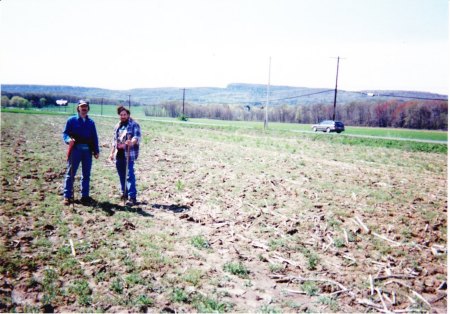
x=84, y=132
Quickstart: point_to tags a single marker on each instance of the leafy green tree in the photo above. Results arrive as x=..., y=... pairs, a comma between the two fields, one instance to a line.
x=19, y=102
x=5, y=101
x=42, y=102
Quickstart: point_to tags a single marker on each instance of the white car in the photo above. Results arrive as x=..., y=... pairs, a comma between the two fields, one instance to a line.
x=329, y=126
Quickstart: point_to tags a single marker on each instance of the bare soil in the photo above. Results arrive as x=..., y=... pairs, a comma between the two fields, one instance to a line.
x=227, y=220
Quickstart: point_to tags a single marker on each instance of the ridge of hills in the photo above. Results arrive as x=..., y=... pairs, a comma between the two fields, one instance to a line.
x=234, y=93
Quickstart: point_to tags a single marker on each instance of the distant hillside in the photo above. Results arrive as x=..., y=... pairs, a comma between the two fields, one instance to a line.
x=235, y=93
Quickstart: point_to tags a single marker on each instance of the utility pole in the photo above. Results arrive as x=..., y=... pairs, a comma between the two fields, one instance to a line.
x=129, y=103
x=184, y=91
x=101, y=111
x=266, y=119
x=335, y=90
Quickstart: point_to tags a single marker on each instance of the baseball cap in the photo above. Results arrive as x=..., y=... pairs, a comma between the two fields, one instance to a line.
x=83, y=102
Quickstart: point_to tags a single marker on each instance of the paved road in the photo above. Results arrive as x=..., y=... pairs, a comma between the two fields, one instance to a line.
x=378, y=137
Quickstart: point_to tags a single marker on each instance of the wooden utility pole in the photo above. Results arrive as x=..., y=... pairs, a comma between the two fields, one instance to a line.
x=335, y=90
x=266, y=119
x=129, y=103
x=184, y=91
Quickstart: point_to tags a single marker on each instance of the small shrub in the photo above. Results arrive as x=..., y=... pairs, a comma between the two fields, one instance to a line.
x=183, y=117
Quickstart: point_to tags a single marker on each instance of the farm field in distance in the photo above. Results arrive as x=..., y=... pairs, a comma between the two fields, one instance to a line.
x=138, y=112
x=231, y=219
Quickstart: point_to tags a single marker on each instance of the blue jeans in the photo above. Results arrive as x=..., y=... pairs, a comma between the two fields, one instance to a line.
x=131, y=179
x=80, y=153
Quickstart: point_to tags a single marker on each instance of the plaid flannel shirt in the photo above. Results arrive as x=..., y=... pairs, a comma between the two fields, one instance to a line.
x=134, y=132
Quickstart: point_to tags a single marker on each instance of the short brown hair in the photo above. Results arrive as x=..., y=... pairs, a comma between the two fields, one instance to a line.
x=122, y=108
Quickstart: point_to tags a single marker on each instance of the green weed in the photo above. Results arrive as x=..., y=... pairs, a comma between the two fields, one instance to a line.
x=179, y=295
x=179, y=186
x=49, y=286
x=310, y=288
x=209, y=305
x=83, y=292
x=193, y=276
x=200, y=242
x=237, y=269
x=330, y=302
x=144, y=300
x=117, y=286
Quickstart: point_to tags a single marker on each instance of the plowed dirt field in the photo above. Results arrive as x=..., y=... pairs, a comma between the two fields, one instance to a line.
x=228, y=220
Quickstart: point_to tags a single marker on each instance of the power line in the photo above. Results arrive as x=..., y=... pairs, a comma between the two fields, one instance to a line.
x=304, y=95
x=397, y=96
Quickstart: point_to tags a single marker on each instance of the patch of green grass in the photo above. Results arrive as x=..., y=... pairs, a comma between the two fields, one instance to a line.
x=144, y=300
x=133, y=279
x=275, y=267
x=179, y=295
x=83, y=292
x=312, y=259
x=339, y=242
x=330, y=302
x=49, y=286
x=154, y=260
x=310, y=288
x=267, y=309
x=237, y=269
x=382, y=247
x=210, y=305
x=200, y=242
x=117, y=286
x=193, y=276
x=179, y=185
x=333, y=222
x=274, y=244
x=70, y=266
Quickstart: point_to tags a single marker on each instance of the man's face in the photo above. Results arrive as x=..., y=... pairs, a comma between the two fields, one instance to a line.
x=123, y=116
x=83, y=110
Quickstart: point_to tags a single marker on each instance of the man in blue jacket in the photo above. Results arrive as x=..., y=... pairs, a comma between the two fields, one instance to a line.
x=80, y=132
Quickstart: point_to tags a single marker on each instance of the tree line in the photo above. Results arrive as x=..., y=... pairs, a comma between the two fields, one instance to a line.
x=398, y=113
x=414, y=114
x=40, y=100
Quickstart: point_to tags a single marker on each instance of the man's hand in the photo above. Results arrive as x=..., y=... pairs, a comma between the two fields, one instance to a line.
x=131, y=142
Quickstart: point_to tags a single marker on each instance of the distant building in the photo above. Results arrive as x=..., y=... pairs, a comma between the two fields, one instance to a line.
x=62, y=102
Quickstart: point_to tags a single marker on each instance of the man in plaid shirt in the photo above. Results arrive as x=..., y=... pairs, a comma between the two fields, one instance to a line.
x=127, y=135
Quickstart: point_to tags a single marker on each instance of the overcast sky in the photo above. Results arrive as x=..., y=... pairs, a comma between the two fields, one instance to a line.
x=118, y=44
